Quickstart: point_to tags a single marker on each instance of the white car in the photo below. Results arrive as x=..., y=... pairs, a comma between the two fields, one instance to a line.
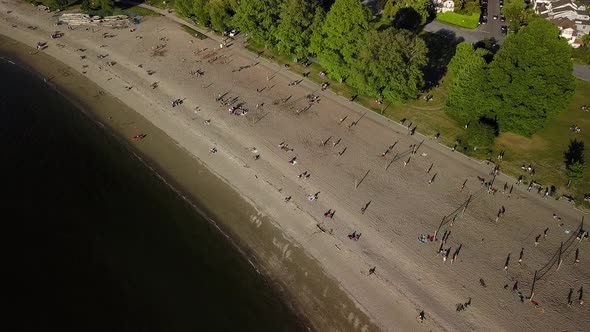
x=233, y=33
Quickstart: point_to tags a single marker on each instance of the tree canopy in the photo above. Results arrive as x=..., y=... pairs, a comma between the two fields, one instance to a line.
x=259, y=17
x=341, y=34
x=294, y=32
x=394, y=10
x=467, y=92
x=531, y=77
x=517, y=13
x=390, y=65
x=528, y=80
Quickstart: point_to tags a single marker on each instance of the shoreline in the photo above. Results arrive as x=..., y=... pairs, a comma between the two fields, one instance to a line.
x=17, y=55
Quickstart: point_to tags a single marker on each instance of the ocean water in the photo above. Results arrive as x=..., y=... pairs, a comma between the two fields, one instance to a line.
x=100, y=243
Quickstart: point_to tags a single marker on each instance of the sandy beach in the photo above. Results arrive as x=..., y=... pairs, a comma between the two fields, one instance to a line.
x=309, y=257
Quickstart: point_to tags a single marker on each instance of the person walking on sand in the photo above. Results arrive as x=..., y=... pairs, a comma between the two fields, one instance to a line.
x=372, y=270
x=520, y=256
x=421, y=316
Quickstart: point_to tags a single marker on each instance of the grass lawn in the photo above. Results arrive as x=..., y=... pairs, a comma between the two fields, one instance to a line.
x=465, y=21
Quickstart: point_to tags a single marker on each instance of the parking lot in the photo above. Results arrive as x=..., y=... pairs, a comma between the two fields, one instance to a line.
x=493, y=27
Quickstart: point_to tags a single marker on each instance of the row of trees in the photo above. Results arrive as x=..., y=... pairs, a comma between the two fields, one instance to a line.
x=375, y=56
x=520, y=87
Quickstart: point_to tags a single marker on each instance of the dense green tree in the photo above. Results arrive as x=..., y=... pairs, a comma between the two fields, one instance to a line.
x=200, y=11
x=390, y=65
x=259, y=18
x=184, y=7
x=294, y=30
x=467, y=7
x=517, y=13
x=531, y=78
x=479, y=135
x=394, y=9
x=468, y=92
x=220, y=14
x=341, y=34
x=85, y=5
x=315, y=41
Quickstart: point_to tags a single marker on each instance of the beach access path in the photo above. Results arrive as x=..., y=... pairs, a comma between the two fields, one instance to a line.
x=410, y=276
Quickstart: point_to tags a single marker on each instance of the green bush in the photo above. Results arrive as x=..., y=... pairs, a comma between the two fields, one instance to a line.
x=480, y=135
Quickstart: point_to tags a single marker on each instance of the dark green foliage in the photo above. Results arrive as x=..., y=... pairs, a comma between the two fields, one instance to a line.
x=259, y=18
x=480, y=134
x=85, y=5
x=315, y=41
x=467, y=7
x=467, y=94
x=406, y=11
x=220, y=14
x=390, y=65
x=531, y=78
x=200, y=11
x=294, y=31
x=440, y=53
x=184, y=7
x=517, y=13
x=342, y=34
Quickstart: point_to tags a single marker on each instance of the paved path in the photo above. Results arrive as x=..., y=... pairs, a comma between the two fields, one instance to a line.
x=452, y=31
x=582, y=71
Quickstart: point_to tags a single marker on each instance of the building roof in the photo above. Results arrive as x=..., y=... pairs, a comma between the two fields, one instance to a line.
x=564, y=23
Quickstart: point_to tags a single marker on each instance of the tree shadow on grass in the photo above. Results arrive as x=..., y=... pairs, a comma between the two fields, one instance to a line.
x=574, y=153
x=441, y=49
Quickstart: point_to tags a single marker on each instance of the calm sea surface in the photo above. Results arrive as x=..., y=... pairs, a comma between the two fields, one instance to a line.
x=101, y=243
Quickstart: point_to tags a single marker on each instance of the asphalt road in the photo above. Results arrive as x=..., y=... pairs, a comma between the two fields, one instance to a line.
x=493, y=27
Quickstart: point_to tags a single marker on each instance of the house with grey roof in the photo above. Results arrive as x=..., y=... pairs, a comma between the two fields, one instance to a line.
x=572, y=19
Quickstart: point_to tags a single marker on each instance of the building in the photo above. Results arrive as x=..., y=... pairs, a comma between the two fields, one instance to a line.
x=443, y=6
x=572, y=19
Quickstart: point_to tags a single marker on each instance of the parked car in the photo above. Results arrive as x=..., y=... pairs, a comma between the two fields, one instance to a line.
x=501, y=3
x=504, y=29
x=234, y=33
x=502, y=18
x=484, y=20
